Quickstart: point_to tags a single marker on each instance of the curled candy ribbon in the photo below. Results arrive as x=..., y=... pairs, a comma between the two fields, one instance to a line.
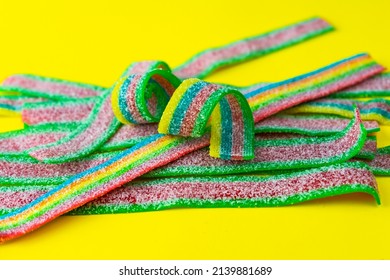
x=191, y=104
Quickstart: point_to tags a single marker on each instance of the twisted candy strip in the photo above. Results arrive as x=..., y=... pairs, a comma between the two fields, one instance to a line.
x=227, y=191
x=154, y=152
x=192, y=105
x=375, y=109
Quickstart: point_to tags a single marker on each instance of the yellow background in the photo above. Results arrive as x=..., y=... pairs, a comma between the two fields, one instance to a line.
x=90, y=42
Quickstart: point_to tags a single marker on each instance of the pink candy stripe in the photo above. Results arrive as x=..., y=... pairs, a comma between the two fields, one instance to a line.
x=377, y=83
x=131, y=101
x=66, y=113
x=25, y=142
x=323, y=124
x=68, y=89
x=127, y=132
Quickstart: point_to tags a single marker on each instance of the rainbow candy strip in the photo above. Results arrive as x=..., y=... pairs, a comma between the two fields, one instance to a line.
x=210, y=60
x=192, y=105
x=276, y=97
x=16, y=142
x=227, y=191
x=24, y=170
x=374, y=109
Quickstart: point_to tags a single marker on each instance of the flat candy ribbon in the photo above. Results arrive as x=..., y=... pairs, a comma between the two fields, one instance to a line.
x=214, y=191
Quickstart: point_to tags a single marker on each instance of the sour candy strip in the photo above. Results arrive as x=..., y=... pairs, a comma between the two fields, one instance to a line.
x=64, y=111
x=12, y=104
x=16, y=142
x=51, y=88
x=276, y=97
x=315, y=125
x=227, y=191
x=375, y=109
x=380, y=165
x=22, y=169
x=377, y=86
x=210, y=60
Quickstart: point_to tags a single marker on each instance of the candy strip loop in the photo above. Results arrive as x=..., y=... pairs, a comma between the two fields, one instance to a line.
x=131, y=93
x=232, y=126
